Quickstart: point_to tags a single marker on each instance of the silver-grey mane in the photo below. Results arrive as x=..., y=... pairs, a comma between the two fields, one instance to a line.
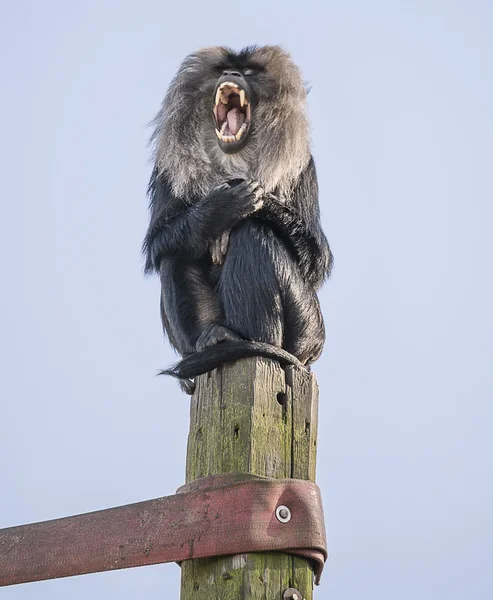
x=185, y=144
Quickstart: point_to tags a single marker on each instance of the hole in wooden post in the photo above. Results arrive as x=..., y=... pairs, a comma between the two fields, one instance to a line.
x=281, y=398
x=307, y=427
x=237, y=431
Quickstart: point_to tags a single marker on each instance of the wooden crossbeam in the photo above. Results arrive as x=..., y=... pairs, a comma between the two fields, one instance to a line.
x=250, y=468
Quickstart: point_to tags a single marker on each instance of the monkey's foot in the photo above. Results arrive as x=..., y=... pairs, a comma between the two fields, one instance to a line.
x=187, y=386
x=214, y=334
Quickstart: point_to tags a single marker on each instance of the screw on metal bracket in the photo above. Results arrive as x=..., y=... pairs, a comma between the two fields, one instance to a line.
x=292, y=594
x=283, y=515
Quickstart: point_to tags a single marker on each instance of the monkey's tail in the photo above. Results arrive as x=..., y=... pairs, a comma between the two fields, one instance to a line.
x=209, y=359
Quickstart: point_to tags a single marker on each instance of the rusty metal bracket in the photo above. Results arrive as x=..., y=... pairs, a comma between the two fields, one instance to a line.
x=214, y=516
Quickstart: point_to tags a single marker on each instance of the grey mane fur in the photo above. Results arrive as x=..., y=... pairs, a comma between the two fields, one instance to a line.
x=185, y=144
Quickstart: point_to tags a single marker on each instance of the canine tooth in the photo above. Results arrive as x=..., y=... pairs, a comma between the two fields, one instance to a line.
x=238, y=135
x=218, y=133
x=218, y=96
x=242, y=97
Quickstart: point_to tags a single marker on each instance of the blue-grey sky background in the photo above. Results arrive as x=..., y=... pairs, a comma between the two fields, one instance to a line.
x=401, y=111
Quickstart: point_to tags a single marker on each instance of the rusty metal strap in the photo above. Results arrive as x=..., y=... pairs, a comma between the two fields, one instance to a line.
x=215, y=516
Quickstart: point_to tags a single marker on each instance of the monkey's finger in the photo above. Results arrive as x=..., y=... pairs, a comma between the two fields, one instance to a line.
x=218, y=250
x=255, y=189
x=253, y=186
x=224, y=243
x=259, y=195
x=222, y=187
x=214, y=252
x=274, y=199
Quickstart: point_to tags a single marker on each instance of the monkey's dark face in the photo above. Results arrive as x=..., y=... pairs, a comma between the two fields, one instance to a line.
x=232, y=110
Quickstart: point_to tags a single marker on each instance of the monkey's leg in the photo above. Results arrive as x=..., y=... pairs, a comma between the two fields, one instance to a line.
x=265, y=298
x=248, y=288
x=189, y=309
x=304, y=330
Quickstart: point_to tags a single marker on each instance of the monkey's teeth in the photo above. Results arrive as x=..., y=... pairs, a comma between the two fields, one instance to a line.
x=218, y=133
x=218, y=96
x=242, y=97
x=227, y=83
x=223, y=128
x=240, y=133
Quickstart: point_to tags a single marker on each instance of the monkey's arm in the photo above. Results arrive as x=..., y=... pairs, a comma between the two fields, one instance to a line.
x=178, y=230
x=297, y=220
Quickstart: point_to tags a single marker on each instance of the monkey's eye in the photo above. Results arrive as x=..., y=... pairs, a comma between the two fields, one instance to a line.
x=249, y=71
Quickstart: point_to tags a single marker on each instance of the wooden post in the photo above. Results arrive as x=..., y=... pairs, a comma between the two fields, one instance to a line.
x=251, y=417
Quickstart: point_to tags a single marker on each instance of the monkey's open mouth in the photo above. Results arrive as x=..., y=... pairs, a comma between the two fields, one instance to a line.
x=232, y=112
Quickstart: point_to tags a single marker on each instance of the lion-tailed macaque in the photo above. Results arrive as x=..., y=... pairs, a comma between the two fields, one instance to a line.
x=235, y=230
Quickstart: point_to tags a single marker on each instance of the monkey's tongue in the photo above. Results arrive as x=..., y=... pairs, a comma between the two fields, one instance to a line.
x=235, y=120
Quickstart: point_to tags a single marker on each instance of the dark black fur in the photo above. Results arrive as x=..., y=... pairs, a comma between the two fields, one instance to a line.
x=262, y=300
x=208, y=359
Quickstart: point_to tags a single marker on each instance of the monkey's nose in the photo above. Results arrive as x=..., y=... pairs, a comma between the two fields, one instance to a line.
x=232, y=73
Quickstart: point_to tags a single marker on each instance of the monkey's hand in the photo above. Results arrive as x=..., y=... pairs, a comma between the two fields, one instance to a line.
x=186, y=232
x=219, y=247
x=238, y=197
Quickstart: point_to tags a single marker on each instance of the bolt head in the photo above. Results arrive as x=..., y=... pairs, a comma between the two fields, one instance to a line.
x=292, y=594
x=283, y=515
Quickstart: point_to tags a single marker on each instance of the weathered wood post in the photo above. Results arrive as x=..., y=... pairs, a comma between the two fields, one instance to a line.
x=251, y=417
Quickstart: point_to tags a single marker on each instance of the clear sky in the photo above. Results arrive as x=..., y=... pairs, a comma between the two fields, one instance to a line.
x=401, y=109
